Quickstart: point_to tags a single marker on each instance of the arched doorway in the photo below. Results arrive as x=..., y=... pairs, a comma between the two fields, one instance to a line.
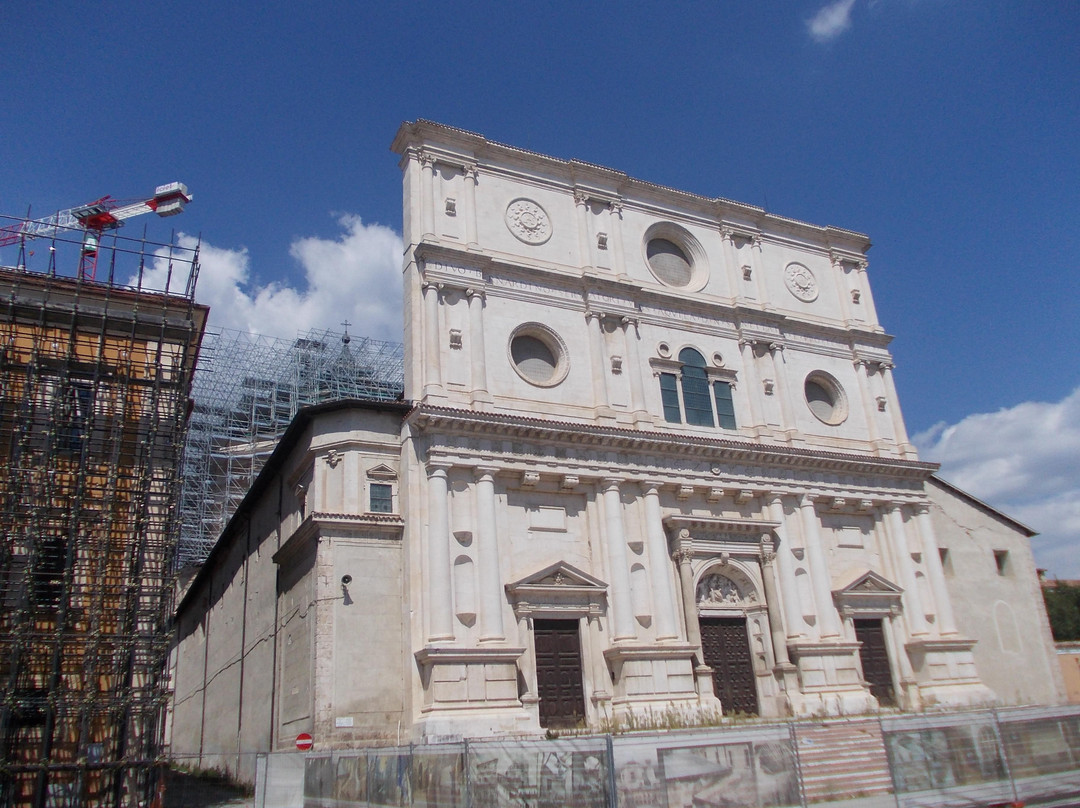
x=730, y=617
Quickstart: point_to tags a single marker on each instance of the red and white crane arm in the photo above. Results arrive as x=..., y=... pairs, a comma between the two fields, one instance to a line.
x=96, y=217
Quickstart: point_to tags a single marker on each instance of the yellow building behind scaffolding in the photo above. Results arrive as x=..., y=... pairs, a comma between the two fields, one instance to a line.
x=94, y=393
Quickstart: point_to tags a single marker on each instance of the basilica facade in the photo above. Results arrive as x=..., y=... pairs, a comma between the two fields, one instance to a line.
x=651, y=463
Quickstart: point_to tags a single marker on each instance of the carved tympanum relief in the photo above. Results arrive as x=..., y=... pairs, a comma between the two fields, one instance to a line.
x=719, y=590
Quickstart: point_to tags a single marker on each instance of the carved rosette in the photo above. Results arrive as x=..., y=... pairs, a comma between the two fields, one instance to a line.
x=800, y=281
x=528, y=221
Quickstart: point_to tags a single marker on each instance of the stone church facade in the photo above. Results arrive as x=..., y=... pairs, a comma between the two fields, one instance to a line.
x=652, y=463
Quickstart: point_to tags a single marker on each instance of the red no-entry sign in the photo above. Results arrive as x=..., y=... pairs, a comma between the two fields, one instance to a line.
x=304, y=741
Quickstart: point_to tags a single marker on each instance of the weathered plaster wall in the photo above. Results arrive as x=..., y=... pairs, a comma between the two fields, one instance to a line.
x=1004, y=609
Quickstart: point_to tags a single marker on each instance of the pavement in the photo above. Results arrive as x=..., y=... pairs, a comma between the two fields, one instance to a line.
x=183, y=790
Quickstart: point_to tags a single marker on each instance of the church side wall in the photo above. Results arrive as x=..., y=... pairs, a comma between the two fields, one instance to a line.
x=227, y=666
x=1003, y=609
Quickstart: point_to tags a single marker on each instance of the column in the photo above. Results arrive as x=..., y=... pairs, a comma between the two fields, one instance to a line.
x=772, y=602
x=776, y=352
x=620, y=573
x=427, y=194
x=819, y=569
x=633, y=366
x=683, y=557
x=618, y=261
x=581, y=203
x=908, y=688
x=865, y=298
x=663, y=600
x=597, y=358
x=753, y=383
x=471, y=179
x=894, y=406
x=528, y=660
x=862, y=372
x=790, y=590
x=905, y=568
x=440, y=600
x=840, y=275
x=432, y=357
x=600, y=671
x=487, y=551
x=932, y=560
x=731, y=262
x=755, y=268
x=476, y=344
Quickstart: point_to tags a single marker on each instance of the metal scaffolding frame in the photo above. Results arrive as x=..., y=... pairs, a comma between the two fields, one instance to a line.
x=94, y=385
x=247, y=390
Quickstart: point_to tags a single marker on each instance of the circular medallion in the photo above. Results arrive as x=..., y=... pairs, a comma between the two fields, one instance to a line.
x=528, y=221
x=800, y=282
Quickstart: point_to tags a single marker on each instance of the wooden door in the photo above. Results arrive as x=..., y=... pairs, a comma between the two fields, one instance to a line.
x=558, y=673
x=875, y=661
x=726, y=647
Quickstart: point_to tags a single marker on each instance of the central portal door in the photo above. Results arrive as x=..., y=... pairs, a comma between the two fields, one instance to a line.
x=726, y=647
x=875, y=661
x=558, y=673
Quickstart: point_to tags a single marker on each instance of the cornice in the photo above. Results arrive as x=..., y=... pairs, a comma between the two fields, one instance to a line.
x=460, y=146
x=721, y=451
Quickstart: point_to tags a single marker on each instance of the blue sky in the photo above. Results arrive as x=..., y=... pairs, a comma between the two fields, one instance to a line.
x=947, y=131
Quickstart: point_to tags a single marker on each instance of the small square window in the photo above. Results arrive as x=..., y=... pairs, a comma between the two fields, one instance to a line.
x=382, y=498
x=1001, y=558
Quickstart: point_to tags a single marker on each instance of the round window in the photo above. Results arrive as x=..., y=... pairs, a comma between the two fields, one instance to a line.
x=825, y=398
x=538, y=355
x=674, y=256
x=668, y=262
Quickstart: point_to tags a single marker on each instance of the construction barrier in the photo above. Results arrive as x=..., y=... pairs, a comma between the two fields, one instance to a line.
x=1027, y=756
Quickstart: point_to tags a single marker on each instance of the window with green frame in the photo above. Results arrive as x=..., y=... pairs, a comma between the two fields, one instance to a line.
x=381, y=498
x=687, y=397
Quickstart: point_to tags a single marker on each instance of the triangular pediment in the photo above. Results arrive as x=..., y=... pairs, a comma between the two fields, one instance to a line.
x=868, y=582
x=559, y=574
x=382, y=472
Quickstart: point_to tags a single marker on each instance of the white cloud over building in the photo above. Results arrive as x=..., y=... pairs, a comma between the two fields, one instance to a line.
x=1024, y=460
x=355, y=276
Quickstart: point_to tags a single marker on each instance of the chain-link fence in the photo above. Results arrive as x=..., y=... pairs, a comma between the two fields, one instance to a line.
x=1025, y=756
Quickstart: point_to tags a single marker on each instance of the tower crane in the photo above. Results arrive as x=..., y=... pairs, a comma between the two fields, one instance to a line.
x=94, y=218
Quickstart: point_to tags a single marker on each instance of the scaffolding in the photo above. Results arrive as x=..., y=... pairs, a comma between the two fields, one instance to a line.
x=247, y=390
x=94, y=387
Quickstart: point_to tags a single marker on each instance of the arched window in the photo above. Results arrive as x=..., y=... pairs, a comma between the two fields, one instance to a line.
x=696, y=405
x=695, y=389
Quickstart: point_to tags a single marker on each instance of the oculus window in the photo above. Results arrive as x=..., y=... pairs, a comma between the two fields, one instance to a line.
x=668, y=262
x=675, y=257
x=825, y=398
x=538, y=355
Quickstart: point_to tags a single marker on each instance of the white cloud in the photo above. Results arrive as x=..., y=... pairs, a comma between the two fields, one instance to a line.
x=354, y=277
x=831, y=20
x=1024, y=460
